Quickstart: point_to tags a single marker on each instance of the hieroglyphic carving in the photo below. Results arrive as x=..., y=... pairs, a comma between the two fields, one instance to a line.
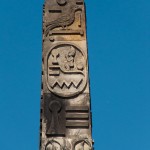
x=61, y=117
x=54, y=112
x=79, y=143
x=66, y=72
x=65, y=108
x=53, y=145
x=55, y=108
x=67, y=17
x=82, y=144
x=79, y=2
x=77, y=117
x=58, y=144
x=62, y=2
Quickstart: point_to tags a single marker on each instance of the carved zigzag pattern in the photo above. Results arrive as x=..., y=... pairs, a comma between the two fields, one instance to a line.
x=67, y=84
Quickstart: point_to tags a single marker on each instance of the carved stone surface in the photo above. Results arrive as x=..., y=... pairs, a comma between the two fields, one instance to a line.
x=54, y=114
x=65, y=70
x=65, y=96
x=64, y=20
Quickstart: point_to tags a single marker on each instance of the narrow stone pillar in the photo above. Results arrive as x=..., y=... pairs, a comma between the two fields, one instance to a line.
x=65, y=97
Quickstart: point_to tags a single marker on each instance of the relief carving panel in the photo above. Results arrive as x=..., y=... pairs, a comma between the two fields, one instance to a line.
x=54, y=114
x=65, y=100
x=66, y=71
x=64, y=20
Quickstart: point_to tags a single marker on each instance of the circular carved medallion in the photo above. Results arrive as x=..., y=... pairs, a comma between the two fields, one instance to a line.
x=66, y=70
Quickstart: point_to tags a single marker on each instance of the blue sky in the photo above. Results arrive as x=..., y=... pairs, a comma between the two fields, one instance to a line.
x=119, y=58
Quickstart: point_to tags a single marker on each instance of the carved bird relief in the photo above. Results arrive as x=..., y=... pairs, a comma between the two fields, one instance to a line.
x=67, y=18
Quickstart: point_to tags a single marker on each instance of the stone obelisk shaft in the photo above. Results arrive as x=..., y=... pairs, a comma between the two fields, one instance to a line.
x=65, y=97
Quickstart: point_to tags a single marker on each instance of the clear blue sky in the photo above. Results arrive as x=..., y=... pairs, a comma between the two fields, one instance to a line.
x=119, y=55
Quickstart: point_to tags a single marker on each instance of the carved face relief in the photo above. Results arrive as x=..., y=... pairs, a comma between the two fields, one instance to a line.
x=66, y=70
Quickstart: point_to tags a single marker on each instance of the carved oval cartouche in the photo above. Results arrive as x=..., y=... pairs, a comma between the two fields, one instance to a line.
x=66, y=70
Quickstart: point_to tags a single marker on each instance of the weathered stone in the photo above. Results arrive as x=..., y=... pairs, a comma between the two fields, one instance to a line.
x=65, y=95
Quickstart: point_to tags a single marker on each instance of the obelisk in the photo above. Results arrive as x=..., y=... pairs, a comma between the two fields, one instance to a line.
x=65, y=96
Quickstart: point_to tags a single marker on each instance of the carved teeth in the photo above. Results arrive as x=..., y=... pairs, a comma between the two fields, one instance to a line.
x=66, y=84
